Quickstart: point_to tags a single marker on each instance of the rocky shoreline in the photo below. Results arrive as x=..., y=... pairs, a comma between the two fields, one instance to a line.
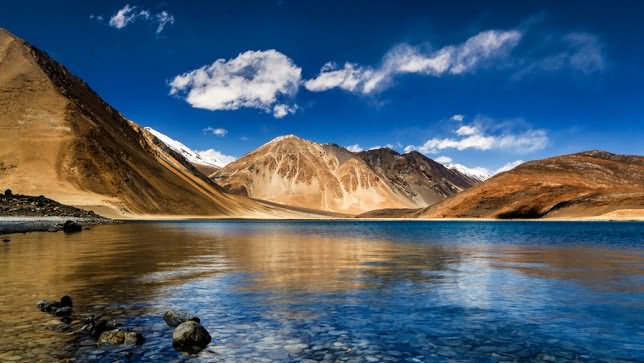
x=24, y=213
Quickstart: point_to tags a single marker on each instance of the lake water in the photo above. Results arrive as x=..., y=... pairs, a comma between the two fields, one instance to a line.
x=336, y=291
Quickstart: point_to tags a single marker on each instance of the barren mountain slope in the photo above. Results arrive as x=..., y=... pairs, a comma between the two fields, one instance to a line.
x=586, y=184
x=58, y=138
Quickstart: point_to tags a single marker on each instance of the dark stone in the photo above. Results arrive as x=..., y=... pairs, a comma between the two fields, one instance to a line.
x=8, y=193
x=118, y=337
x=190, y=337
x=72, y=227
x=175, y=317
x=6, y=240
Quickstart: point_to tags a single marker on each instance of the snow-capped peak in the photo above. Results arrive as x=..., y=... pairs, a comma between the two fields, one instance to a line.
x=208, y=157
x=479, y=173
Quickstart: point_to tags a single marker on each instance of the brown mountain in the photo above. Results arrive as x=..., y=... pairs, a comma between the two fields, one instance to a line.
x=60, y=139
x=298, y=172
x=587, y=184
x=421, y=179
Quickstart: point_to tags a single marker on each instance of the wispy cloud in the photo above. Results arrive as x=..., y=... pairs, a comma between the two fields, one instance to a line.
x=263, y=80
x=482, y=136
x=221, y=132
x=452, y=59
x=578, y=52
x=130, y=14
x=457, y=117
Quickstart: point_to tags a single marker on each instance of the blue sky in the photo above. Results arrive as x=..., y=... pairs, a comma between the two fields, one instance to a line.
x=473, y=83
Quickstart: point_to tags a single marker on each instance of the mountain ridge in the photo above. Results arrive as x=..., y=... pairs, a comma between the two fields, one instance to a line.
x=295, y=171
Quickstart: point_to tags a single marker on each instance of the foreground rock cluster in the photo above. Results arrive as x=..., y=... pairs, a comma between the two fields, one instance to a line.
x=189, y=335
x=39, y=206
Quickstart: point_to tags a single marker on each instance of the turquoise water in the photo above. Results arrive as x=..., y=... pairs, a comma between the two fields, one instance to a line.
x=338, y=291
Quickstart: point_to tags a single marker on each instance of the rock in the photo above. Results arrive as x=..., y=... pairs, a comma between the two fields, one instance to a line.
x=66, y=301
x=119, y=336
x=190, y=337
x=63, y=311
x=64, y=306
x=8, y=193
x=175, y=317
x=96, y=328
x=6, y=240
x=72, y=227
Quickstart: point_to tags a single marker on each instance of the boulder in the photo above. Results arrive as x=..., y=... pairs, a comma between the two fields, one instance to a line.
x=175, y=317
x=8, y=193
x=72, y=227
x=119, y=337
x=190, y=337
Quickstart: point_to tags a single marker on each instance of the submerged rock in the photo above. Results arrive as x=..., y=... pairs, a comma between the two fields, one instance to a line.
x=175, y=317
x=98, y=327
x=190, y=337
x=59, y=308
x=119, y=337
x=72, y=227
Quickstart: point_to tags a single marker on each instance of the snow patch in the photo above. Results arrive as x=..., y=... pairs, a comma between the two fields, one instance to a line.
x=208, y=157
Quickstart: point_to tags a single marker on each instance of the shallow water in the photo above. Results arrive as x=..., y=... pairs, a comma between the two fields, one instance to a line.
x=336, y=291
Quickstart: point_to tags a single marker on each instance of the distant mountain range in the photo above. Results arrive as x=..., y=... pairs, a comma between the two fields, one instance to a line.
x=293, y=171
x=58, y=138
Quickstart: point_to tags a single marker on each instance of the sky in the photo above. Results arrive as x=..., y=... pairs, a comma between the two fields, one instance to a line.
x=482, y=84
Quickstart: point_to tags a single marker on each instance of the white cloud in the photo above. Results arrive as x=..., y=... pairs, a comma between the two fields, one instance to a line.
x=355, y=148
x=130, y=14
x=480, y=138
x=163, y=18
x=254, y=79
x=453, y=59
x=216, y=157
x=281, y=110
x=457, y=117
x=509, y=166
x=466, y=130
x=443, y=159
x=221, y=132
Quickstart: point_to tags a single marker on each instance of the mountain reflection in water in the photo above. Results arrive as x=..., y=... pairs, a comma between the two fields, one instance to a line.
x=288, y=291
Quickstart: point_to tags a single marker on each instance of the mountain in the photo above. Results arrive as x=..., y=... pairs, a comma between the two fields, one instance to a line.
x=60, y=139
x=206, y=163
x=298, y=172
x=421, y=179
x=587, y=184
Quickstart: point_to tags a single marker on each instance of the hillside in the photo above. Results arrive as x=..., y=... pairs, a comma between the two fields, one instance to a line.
x=293, y=171
x=58, y=138
x=587, y=184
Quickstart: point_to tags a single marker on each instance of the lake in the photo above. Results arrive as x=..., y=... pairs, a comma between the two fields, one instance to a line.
x=364, y=291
